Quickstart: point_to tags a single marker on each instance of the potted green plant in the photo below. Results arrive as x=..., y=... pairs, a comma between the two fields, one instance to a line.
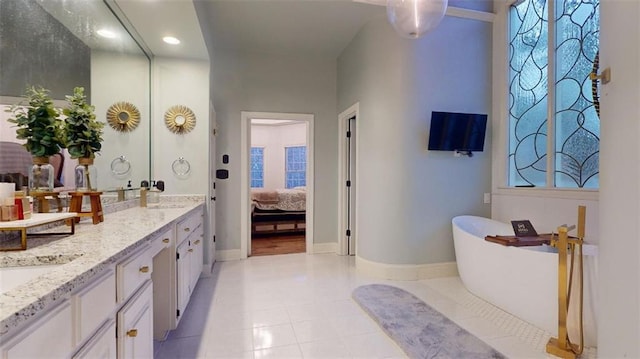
x=82, y=137
x=39, y=123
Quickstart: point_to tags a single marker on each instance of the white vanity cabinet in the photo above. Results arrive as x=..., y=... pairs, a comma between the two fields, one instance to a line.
x=164, y=284
x=135, y=294
x=135, y=325
x=81, y=318
x=118, y=312
x=189, y=258
x=93, y=307
x=49, y=336
x=102, y=345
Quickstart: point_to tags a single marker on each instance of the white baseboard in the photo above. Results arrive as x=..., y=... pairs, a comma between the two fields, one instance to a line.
x=228, y=255
x=406, y=271
x=331, y=247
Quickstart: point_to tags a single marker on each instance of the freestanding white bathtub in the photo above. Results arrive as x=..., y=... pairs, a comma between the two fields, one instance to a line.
x=522, y=281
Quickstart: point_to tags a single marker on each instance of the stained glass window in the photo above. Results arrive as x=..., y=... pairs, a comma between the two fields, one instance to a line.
x=575, y=121
x=295, y=166
x=257, y=167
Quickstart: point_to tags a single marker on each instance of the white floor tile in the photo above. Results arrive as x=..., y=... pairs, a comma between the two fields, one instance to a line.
x=181, y=348
x=307, y=311
x=513, y=347
x=222, y=342
x=299, y=305
x=284, y=352
x=325, y=349
x=354, y=325
x=273, y=336
x=372, y=345
x=265, y=318
x=314, y=330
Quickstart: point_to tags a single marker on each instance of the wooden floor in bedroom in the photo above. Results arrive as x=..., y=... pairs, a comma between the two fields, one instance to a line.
x=278, y=244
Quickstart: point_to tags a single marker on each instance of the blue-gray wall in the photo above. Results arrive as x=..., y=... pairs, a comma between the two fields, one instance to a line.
x=406, y=195
x=271, y=83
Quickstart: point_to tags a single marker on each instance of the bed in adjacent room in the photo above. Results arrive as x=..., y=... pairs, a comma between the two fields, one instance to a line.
x=278, y=211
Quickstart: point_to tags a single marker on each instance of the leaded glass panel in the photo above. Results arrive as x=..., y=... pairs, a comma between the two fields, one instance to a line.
x=576, y=119
x=528, y=62
x=577, y=124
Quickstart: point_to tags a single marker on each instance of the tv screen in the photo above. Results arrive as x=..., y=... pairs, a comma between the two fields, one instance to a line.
x=451, y=131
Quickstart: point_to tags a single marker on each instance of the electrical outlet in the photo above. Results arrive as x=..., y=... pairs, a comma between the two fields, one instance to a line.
x=487, y=198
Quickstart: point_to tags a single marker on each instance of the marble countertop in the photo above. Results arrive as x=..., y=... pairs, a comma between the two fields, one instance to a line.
x=83, y=255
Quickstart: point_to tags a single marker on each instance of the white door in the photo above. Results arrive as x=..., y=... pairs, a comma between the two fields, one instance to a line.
x=347, y=175
x=210, y=247
x=351, y=185
x=135, y=325
x=183, y=269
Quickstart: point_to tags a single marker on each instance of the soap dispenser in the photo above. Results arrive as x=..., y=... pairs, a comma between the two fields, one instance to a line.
x=154, y=195
x=128, y=194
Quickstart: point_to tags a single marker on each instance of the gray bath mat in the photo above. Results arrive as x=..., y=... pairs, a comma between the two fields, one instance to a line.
x=421, y=331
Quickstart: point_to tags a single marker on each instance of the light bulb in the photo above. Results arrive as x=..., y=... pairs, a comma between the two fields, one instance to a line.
x=106, y=33
x=413, y=18
x=171, y=40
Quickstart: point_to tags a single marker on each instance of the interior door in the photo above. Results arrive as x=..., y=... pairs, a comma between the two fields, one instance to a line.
x=351, y=184
x=210, y=248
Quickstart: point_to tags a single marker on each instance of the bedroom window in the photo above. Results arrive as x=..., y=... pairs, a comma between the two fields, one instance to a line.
x=553, y=103
x=295, y=166
x=257, y=167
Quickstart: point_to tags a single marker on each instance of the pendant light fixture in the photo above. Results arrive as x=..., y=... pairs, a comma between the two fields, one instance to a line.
x=413, y=18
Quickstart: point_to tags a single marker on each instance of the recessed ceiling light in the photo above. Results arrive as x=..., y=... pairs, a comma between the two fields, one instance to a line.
x=171, y=40
x=106, y=33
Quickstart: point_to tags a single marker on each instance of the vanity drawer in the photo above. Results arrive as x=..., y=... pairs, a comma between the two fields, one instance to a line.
x=132, y=272
x=161, y=241
x=187, y=225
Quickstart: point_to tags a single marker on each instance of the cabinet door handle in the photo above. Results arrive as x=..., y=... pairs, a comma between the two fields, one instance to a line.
x=196, y=242
x=144, y=269
x=190, y=250
x=132, y=333
x=166, y=240
x=187, y=229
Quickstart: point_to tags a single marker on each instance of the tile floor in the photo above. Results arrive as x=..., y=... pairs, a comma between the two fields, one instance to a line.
x=300, y=306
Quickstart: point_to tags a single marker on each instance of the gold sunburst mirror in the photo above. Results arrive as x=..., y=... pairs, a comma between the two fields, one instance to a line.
x=180, y=119
x=123, y=116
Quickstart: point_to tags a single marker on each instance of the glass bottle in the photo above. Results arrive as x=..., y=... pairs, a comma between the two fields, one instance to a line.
x=41, y=175
x=86, y=175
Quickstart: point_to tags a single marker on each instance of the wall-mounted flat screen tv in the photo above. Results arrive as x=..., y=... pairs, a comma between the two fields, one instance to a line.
x=452, y=131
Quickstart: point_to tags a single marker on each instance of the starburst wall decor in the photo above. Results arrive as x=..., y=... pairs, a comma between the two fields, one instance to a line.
x=180, y=119
x=123, y=116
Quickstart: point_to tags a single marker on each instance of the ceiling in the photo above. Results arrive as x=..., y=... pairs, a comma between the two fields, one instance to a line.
x=283, y=27
x=286, y=27
x=154, y=19
x=313, y=28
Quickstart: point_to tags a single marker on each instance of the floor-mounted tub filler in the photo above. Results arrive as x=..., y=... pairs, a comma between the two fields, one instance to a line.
x=523, y=281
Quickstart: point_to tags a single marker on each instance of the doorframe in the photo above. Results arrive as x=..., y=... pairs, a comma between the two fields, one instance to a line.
x=245, y=188
x=343, y=123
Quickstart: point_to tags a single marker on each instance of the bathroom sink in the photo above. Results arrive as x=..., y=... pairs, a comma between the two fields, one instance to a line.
x=165, y=205
x=11, y=277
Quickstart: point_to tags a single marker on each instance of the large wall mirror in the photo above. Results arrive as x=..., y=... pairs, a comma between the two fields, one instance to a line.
x=61, y=44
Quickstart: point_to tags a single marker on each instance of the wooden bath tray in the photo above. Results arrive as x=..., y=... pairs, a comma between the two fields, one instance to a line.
x=513, y=241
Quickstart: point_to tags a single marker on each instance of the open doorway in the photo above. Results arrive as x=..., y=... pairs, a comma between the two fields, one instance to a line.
x=277, y=183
